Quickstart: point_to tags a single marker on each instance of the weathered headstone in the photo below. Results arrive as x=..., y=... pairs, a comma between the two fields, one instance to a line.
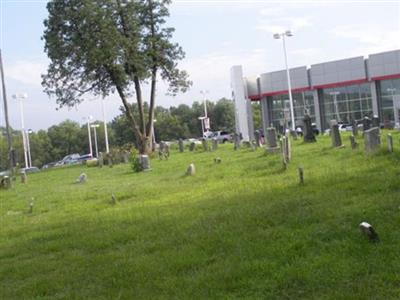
x=372, y=140
x=192, y=146
x=144, y=162
x=24, y=177
x=100, y=160
x=375, y=121
x=5, y=182
x=308, y=130
x=181, y=147
x=217, y=160
x=354, y=144
x=354, y=128
x=284, y=161
x=163, y=151
x=301, y=176
x=214, y=142
x=236, y=141
x=82, y=178
x=191, y=170
x=272, y=143
x=369, y=231
x=204, y=142
x=390, y=142
x=257, y=136
x=335, y=136
x=286, y=149
x=366, y=123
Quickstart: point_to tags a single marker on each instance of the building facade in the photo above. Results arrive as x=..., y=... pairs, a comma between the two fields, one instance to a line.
x=344, y=90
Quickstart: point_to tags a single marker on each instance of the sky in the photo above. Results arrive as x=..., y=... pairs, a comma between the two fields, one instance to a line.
x=215, y=35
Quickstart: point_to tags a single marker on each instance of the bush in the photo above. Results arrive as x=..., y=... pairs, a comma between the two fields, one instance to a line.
x=134, y=161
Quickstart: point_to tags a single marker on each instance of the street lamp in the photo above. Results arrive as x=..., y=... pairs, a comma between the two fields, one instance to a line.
x=94, y=126
x=89, y=135
x=334, y=95
x=282, y=36
x=105, y=126
x=21, y=97
x=28, y=144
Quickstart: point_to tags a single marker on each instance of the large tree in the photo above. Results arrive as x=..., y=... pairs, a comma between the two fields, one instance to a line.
x=106, y=46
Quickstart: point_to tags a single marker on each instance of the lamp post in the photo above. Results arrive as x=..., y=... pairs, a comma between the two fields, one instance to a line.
x=282, y=36
x=105, y=126
x=21, y=97
x=334, y=95
x=94, y=126
x=28, y=144
x=205, y=123
x=89, y=135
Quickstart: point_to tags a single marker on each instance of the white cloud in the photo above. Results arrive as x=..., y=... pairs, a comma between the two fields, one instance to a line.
x=26, y=72
x=281, y=24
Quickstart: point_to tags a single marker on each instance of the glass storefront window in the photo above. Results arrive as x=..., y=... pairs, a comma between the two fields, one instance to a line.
x=388, y=91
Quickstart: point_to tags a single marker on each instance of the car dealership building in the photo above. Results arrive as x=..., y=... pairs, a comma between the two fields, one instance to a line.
x=344, y=90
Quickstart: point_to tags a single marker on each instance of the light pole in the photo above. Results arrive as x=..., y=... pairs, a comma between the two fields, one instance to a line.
x=334, y=95
x=20, y=97
x=89, y=135
x=105, y=126
x=206, y=125
x=94, y=126
x=278, y=36
x=28, y=144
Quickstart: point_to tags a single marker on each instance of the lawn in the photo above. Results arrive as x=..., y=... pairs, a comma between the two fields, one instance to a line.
x=244, y=228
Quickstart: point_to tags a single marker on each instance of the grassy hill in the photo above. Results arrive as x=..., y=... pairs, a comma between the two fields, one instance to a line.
x=244, y=228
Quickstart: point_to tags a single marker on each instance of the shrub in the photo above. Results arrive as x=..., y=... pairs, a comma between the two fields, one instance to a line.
x=134, y=160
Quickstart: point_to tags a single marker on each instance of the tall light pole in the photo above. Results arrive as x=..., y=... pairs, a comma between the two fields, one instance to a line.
x=94, y=126
x=334, y=95
x=28, y=144
x=282, y=36
x=105, y=126
x=89, y=135
x=21, y=97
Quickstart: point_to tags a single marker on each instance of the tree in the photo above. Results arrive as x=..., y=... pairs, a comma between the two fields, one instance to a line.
x=66, y=138
x=224, y=115
x=103, y=46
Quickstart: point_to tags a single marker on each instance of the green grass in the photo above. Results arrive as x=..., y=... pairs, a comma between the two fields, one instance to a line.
x=240, y=229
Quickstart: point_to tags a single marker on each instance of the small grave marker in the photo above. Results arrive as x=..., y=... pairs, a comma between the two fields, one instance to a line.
x=82, y=178
x=180, y=144
x=353, y=142
x=369, y=231
x=217, y=160
x=390, y=142
x=191, y=170
x=301, y=175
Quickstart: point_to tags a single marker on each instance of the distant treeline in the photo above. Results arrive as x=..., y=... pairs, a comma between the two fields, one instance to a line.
x=171, y=123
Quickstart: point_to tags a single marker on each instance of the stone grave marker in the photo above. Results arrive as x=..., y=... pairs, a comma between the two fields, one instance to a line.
x=390, y=142
x=369, y=231
x=82, y=178
x=5, y=182
x=217, y=160
x=308, y=136
x=144, y=162
x=354, y=144
x=192, y=146
x=257, y=136
x=191, y=170
x=180, y=144
x=335, y=136
x=372, y=140
x=204, y=142
x=100, y=160
x=272, y=141
x=24, y=177
x=354, y=128
x=236, y=141
x=214, y=144
x=301, y=175
x=30, y=209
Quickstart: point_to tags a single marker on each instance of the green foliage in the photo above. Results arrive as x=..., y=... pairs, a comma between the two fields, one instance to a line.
x=134, y=161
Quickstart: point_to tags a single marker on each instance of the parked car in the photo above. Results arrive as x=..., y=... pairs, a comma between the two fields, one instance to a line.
x=69, y=159
x=222, y=136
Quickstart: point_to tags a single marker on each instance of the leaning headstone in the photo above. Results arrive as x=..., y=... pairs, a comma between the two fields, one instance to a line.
x=354, y=144
x=180, y=143
x=236, y=141
x=335, y=136
x=372, y=140
x=369, y=231
x=354, y=128
x=217, y=160
x=192, y=146
x=308, y=130
x=214, y=143
x=24, y=177
x=272, y=143
x=144, y=162
x=257, y=136
x=82, y=178
x=191, y=170
x=390, y=142
x=286, y=147
x=100, y=160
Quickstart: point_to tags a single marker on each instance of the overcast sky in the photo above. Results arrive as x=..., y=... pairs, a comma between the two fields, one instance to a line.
x=215, y=36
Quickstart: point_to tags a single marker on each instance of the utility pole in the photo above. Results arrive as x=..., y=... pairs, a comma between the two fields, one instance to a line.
x=11, y=158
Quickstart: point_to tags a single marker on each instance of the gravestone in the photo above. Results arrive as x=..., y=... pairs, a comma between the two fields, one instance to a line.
x=390, y=142
x=335, y=136
x=30, y=209
x=375, y=121
x=272, y=142
x=366, y=123
x=82, y=178
x=217, y=160
x=204, y=142
x=369, y=231
x=100, y=160
x=308, y=130
x=257, y=136
x=354, y=128
x=144, y=162
x=301, y=176
x=180, y=143
x=372, y=140
x=287, y=150
x=236, y=141
x=24, y=177
x=163, y=151
x=214, y=142
x=192, y=146
x=354, y=144
x=191, y=170
x=5, y=182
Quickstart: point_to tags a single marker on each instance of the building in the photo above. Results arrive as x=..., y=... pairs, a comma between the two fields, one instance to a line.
x=344, y=90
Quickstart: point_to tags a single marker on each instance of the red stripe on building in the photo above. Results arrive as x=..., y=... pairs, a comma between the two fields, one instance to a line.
x=385, y=77
x=337, y=84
